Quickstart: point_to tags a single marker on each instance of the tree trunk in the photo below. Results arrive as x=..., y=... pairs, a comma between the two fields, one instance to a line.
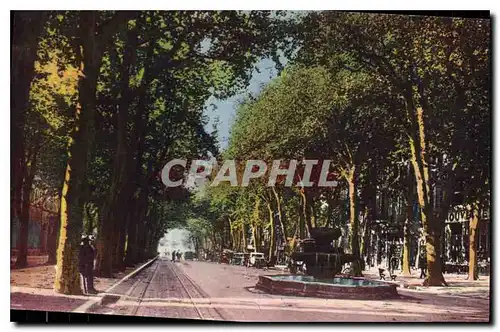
x=238, y=239
x=432, y=229
x=313, y=215
x=143, y=218
x=26, y=30
x=141, y=228
x=120, y=228
x=353, y=222
x=232, y=242
x=272, y=237
x=147, y=241
x=120, y=253
x=406, y=245
x=134, y=218
x=365, y=235
x=131, y=254
x=229, y=235
x=234, y=239
x=302, y=223
x=90, y=217
x=408, y=222
x=140, y=241
x=369, y=198
x=473, y=241
x=135, y=213
x=142, y=234
x=22, y=244
x=52, y=240
x=113, y=214
x=67, y=276
x=254, y=237
x=116, y=265
x=306, y=210
x=245, y=244
x=255, y=221
x=105, y=242
x=280, y=215
x=92, y=46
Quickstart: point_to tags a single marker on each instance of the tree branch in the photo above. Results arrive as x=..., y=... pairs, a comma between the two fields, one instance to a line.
x=108, y=28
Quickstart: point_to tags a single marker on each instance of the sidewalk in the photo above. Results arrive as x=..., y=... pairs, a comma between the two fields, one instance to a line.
x=457, y=283
x=32, y=260
x=32, y=288
x=43, y=277
x=26, y=298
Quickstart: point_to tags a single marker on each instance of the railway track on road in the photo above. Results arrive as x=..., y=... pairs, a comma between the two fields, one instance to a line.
x=193, y=292
x=143, y=292
x=161, y=290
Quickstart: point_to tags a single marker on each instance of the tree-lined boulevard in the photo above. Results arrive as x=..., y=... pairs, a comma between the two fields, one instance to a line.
x=208, y=291
x=398, y=105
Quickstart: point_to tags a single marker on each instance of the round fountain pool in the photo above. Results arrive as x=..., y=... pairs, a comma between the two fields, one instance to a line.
x=335, y=288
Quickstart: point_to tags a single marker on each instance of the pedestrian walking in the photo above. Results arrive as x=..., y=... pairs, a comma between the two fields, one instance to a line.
x=86, y=265
x=173, y=256
x=422, y=264
x=179, y=256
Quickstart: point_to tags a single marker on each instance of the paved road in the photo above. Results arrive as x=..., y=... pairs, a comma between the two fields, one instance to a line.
x=161, y=290
x=200, y=290
x=234, y=288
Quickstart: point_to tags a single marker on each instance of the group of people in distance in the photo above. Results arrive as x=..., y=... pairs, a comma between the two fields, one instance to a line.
x=176, y=256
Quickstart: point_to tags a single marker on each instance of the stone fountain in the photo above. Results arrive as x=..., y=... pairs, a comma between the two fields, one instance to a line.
x=322, y=260
x=324, y=263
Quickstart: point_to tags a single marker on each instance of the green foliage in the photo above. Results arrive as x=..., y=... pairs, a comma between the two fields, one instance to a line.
x=439, y=64
x=53, y=95
x=346, y=96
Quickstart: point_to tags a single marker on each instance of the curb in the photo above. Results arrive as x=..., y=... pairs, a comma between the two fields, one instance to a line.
x=112, y=298
x=133, y=273
x=106, y=299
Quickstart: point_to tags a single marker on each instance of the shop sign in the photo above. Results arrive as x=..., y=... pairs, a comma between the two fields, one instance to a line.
x=462, y=214
x=459, y=214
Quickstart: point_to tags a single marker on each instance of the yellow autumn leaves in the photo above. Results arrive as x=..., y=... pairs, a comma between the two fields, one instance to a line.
x=55, y=87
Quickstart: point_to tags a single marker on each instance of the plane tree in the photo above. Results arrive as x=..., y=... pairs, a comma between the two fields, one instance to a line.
x=51, y=97
x=27, y=28
x=156, y=51
x=433, y=65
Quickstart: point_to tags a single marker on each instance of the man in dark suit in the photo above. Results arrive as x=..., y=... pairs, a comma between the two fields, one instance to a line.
x=422, y=264
x=86, y=265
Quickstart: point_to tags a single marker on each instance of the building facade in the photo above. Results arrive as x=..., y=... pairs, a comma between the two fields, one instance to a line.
x=456, y=244
x=42, y=221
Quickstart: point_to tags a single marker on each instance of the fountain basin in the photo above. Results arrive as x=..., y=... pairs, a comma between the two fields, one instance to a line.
x=333, y=288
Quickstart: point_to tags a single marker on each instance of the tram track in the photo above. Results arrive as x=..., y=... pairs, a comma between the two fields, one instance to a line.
x=190, y=287
x=142, y=294
x=136, y=308
x=187, y=292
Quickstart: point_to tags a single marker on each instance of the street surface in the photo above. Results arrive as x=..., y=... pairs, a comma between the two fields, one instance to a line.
x=210, y=291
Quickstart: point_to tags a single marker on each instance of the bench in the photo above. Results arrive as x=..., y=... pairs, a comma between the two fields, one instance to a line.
x=382, y=274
